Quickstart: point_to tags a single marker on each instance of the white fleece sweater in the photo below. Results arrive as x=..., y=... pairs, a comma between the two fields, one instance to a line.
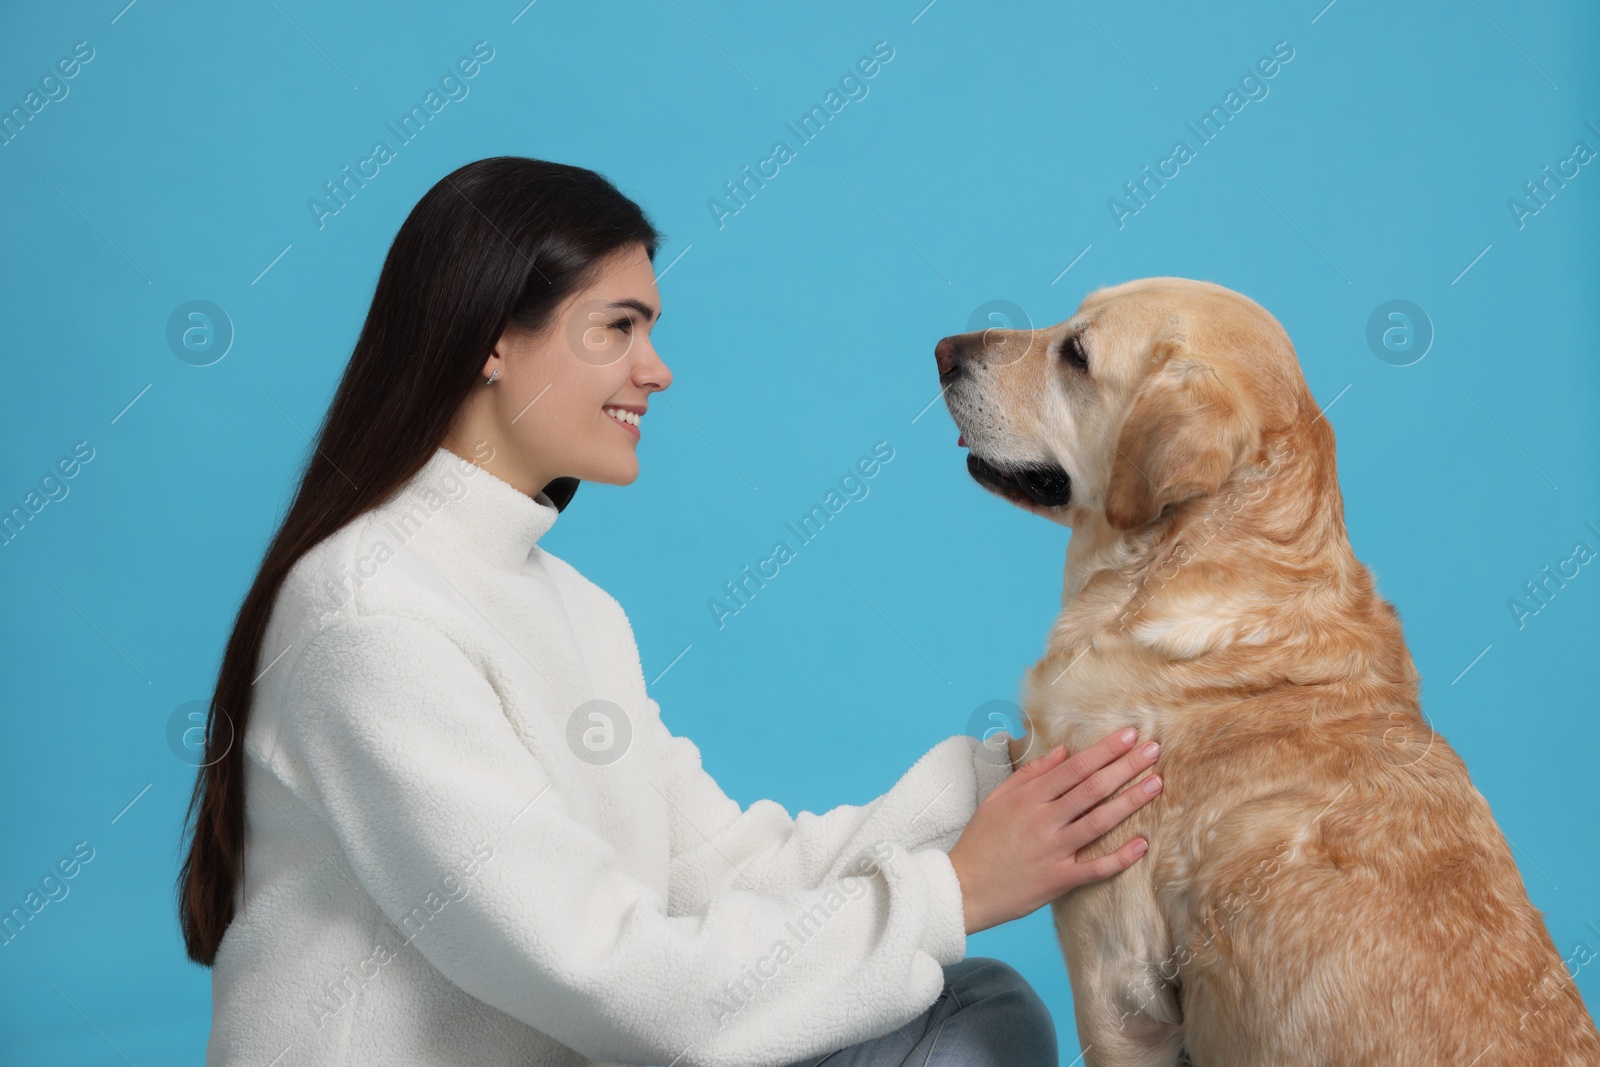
x=450, y=859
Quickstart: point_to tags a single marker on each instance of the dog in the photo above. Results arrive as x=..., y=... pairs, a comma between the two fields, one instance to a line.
x=1324, y=885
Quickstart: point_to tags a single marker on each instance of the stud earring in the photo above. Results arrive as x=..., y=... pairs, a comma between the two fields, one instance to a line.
x=492, y=376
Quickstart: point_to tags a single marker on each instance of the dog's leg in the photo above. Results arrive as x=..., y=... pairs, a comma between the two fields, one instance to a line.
x=1118, y=953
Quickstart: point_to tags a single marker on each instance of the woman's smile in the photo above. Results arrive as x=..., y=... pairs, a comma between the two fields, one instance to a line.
x=625, y=415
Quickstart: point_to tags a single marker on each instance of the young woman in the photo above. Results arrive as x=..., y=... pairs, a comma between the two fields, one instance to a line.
x=440, y=820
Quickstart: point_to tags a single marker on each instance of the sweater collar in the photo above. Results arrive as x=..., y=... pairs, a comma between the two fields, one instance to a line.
x=493, y=518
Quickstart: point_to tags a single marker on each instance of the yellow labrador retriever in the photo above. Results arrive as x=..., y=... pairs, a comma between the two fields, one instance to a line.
x=1324, y=884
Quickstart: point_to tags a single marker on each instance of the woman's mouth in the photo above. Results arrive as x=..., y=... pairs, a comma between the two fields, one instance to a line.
x=625, y=417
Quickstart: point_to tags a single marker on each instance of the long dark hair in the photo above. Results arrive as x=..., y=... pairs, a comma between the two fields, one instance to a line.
x=497, y=242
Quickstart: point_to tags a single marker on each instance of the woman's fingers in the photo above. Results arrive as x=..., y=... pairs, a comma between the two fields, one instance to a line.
x=1030, y=771
x=1105, y=866
x=1020, y=848
x=1080, y=768
x=1080, y=831
x=1109, y=779
x=1040, y=763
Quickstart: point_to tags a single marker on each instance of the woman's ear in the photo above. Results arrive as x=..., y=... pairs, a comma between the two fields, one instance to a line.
x=1183, y=436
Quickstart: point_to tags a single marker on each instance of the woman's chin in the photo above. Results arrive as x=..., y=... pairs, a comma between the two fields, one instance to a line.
x=618, y=474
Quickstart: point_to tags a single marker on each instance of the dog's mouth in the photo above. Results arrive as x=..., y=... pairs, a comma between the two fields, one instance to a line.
x=1045, y=485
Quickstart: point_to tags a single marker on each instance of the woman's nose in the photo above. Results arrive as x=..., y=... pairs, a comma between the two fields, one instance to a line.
x=653, y=372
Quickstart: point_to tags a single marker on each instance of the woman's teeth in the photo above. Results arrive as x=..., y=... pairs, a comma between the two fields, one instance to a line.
x=622, y=415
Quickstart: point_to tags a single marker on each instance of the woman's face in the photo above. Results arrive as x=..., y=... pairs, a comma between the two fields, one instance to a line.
x=568, y=398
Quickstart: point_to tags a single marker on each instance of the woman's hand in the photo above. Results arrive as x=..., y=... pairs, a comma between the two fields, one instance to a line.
x=1019, y=850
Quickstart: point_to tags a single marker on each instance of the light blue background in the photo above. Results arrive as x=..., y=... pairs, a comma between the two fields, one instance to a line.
x=979, y=166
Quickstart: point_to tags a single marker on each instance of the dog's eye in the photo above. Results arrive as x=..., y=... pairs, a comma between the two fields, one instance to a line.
x=1072, y=352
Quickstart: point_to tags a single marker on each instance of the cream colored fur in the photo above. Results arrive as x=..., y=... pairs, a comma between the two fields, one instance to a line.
x=1324, y=884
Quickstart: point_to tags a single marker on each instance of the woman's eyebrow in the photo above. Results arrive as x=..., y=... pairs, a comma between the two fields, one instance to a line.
x=640, y=306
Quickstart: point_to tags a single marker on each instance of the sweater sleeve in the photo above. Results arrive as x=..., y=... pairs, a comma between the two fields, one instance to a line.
x=717, y=846
x=406, y=750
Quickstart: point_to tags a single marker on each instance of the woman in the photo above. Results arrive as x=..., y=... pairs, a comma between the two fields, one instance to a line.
x=441, y=822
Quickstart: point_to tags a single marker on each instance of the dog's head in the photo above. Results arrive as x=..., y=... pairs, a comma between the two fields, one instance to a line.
x=1150, y=395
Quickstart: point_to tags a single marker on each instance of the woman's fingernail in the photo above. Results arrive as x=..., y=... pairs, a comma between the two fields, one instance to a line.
x=1140, y=846
x=1151, y=750
x=1127, y=736
x=1152, y=784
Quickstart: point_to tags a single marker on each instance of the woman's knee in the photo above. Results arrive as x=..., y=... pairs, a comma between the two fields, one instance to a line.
x=983, y=979
x=993, y=1012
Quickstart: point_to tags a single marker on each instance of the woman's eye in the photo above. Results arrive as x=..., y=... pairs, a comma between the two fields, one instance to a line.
x=1072, y=352
x=625, y=325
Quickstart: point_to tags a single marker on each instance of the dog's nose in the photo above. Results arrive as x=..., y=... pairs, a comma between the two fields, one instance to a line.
x=945, y=354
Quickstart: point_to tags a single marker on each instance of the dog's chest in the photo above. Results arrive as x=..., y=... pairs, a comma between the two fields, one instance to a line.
x=1077, y=695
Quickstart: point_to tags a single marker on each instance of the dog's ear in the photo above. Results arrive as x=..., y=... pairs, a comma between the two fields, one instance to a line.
x=1181, y=439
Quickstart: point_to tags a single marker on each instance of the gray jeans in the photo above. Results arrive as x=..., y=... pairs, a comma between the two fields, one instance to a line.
x=987, y=1016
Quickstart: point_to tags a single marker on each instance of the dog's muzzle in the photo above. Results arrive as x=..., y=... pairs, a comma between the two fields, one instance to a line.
x=1045, y=485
